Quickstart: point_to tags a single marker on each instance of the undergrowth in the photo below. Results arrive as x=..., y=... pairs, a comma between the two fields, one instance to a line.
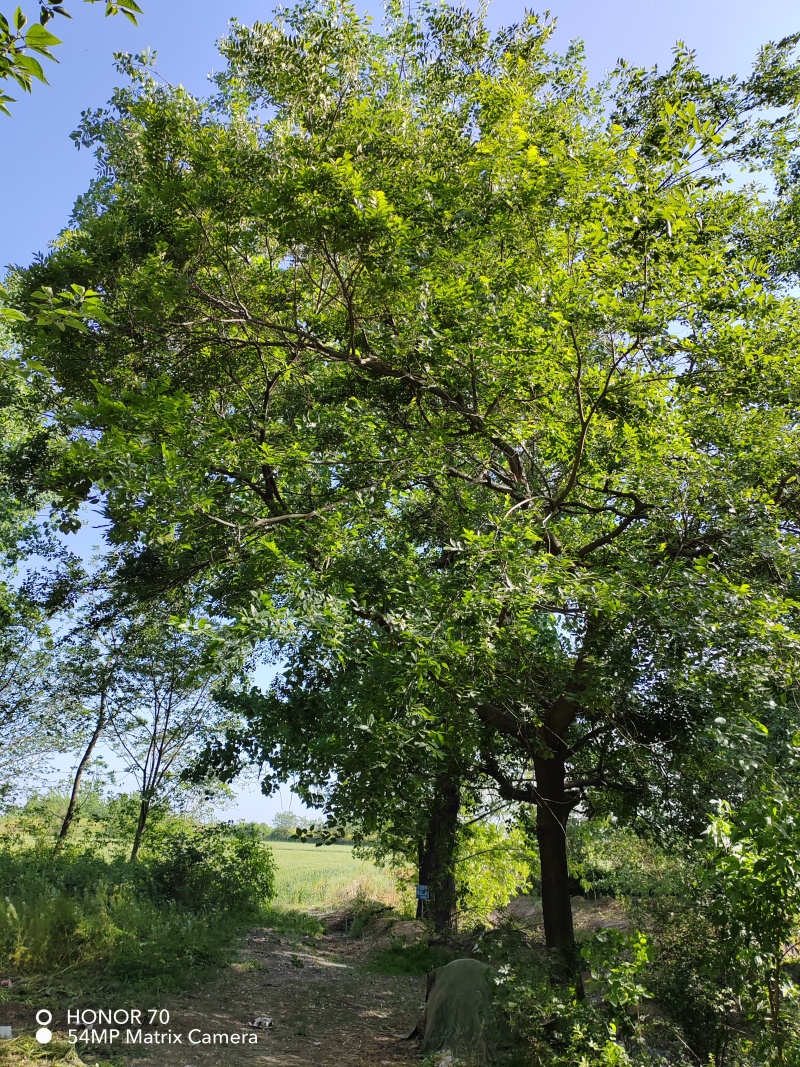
x=27, y=1052
x=290, y=921
x=81, y=923
x=417, y=959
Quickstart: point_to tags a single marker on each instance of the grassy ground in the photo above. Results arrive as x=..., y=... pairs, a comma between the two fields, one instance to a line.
x=323, y=878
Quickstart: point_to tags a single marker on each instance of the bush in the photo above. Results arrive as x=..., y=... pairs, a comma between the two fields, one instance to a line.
x=90, y=922
x=612, y=860
x=220, y=866
x=552, y=1027
x=722, y=945
x=694, y=975
x=110, y=941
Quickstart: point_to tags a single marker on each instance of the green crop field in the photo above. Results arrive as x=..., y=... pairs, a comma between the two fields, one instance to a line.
x=320, y=878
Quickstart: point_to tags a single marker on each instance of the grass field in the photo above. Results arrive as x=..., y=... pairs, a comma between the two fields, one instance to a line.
x=320, y=879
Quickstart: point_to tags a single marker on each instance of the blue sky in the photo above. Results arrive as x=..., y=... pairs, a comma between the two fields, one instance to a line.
x=42, y=172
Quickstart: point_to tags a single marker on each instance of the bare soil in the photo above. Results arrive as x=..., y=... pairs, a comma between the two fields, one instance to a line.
x=326, y=1012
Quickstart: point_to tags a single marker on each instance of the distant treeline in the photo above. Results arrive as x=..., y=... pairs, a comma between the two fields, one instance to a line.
x=285, y=823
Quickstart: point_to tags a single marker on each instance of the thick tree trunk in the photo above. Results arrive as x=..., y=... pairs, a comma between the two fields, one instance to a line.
x=437, y=856
x=76, y=783
x=552, y=812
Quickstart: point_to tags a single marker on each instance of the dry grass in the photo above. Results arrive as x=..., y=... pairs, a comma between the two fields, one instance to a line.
x=27, y=1052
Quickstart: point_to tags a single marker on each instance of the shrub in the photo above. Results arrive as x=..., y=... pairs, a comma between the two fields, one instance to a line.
x=752, y=880
x=91, y=922
x=722, y=944
x=219, y=866
x=552, y=1027
x=108, y=941
x=612, y=860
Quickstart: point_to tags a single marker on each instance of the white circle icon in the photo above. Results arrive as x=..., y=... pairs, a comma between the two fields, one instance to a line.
x=44, y=1017
x=43, y=1035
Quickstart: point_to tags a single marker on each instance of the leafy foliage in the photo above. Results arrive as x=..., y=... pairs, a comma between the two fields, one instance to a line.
x=754, y=880
x=551, y=1028
x=110, y=925
x=492, y=867
x=609, y=859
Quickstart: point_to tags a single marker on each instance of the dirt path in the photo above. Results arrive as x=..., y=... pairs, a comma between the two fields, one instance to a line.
x=327, y=1011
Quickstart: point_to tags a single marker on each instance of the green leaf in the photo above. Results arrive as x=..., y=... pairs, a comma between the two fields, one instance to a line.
x=40, y=39
x=21, y=77
x=13, y=314
x=32, y=66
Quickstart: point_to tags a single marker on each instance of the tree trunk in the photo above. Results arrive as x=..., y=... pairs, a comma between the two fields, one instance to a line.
x=76, y=783
x=437, y=856
x=552, y=812
x=144, y=811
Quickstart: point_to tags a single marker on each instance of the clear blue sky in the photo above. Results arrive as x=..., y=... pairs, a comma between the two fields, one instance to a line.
x=42, y=172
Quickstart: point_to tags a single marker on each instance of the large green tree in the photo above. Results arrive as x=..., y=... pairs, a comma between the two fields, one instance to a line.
x=429, y=281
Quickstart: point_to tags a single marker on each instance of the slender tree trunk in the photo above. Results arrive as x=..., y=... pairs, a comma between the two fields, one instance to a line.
x=437, y=856
x=552, y=812
x=76, y=783
x=141, y=823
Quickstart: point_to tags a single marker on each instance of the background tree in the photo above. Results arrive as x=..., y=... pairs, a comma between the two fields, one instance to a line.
x=87, y=689
x=165, y=707
x=285, y=823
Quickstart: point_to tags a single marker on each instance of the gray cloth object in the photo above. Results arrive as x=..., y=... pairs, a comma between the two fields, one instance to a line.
x=458, y=1012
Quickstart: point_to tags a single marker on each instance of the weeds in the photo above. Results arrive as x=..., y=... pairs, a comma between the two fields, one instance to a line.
x=290, y=921
x=400, y=958
x=27, y=1052
x=92, y=924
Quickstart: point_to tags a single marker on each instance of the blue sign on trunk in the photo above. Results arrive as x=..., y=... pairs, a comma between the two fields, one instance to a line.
x=423, y=893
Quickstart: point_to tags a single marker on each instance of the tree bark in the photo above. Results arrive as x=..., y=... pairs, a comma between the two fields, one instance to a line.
x=437, y=856
x=552, y=811
x=76, y=783
x=141, y=823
